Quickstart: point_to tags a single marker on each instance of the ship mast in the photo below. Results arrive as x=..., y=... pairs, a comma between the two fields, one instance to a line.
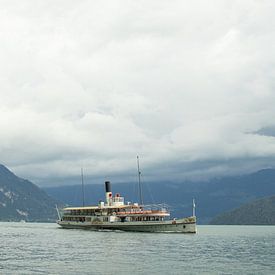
x=139, y=183
x=82, y=181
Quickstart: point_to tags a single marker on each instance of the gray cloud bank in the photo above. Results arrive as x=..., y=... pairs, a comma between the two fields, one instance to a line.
x=186, y=85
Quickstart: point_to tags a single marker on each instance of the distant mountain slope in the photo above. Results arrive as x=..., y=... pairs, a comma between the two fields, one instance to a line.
x=260, y=212
x=22, y=200
x=212, y=197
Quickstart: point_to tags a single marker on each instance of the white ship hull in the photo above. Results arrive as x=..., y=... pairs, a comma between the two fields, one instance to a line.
x=185, y=225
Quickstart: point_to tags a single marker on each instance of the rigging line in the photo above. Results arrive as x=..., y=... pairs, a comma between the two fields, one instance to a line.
x=139, y=183
x=74, y=195
x=82, y=181
x=134, y=191
x=149, y=190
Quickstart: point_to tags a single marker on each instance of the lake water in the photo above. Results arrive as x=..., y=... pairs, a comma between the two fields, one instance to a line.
x=37, y=248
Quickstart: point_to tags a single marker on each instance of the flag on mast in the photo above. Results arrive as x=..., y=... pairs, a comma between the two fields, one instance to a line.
x=194, y=206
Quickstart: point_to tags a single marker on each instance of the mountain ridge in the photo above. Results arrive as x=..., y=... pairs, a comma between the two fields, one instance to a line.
x=212, y=198
x=20, y=199
x=256, y=212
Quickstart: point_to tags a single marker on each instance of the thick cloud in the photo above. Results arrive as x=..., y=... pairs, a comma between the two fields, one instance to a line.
x=91, y=84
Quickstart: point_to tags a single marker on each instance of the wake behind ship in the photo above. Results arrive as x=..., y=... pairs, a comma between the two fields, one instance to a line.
x=114, y=214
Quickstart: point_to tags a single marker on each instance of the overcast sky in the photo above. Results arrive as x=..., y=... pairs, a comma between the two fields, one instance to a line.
x=186, y=85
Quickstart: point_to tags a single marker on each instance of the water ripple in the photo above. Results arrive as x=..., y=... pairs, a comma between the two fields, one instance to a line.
x=35, y=248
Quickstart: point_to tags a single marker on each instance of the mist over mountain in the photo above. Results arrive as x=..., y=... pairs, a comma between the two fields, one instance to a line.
x=22, y=200
x=212, y=197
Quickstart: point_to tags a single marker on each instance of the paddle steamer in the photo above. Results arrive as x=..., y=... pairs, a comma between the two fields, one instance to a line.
x=114, y=214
